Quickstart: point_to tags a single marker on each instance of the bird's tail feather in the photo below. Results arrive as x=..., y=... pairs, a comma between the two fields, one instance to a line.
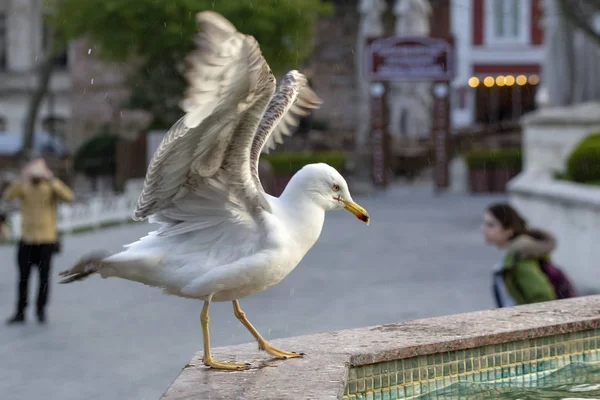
x=85, y=267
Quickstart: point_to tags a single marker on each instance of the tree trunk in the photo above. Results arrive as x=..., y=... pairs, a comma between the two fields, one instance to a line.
x=44, y=72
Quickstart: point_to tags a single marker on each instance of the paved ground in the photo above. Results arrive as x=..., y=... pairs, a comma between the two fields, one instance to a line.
x=421, y=256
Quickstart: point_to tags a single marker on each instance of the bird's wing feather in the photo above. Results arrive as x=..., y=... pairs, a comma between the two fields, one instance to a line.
x=200, y=175
x=293, y=99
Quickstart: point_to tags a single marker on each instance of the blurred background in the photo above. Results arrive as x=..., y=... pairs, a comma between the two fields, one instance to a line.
x=92, y=86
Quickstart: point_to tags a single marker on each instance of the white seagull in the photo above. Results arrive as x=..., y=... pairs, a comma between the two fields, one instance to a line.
x=221, y=236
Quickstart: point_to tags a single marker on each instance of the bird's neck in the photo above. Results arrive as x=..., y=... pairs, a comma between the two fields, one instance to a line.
x=305, y=214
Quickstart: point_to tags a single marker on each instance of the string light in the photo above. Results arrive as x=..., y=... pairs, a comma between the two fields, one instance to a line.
x=473, y=81
x=534, y=79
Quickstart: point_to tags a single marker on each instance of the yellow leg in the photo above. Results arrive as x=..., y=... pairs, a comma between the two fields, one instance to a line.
x=207, y=359
x=262, y=343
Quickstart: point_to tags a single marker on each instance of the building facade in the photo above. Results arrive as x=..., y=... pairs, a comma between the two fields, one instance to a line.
x=499, y=56
x=23, y=38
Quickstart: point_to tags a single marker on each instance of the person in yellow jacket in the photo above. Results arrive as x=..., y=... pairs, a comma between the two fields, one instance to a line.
x=39, y=193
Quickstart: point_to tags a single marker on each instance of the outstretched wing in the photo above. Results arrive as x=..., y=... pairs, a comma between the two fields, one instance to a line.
x=201, y=169
x=294, y=99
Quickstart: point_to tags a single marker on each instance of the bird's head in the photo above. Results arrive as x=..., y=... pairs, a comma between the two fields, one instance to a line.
x=326, y=187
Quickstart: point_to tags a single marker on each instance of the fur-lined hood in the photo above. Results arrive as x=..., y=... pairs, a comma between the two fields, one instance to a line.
x=536, y=243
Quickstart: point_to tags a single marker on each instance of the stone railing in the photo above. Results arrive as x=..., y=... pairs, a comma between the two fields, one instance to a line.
x=90, y=213
x=400, y=361
x=570, y=210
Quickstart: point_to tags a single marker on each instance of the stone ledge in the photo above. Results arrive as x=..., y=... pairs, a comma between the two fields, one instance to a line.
x=580, y=114
x=323, y=372
x=571, y=193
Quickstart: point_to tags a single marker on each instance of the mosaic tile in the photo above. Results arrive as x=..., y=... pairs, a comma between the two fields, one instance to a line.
x=519, y=362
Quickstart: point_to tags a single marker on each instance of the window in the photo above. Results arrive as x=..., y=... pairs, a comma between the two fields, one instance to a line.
x=3, y=126
x=3, y=41
x=55, y=126
x=509, y=21
x=506, y=18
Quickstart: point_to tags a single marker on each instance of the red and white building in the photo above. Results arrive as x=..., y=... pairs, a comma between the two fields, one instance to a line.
x=499, y=55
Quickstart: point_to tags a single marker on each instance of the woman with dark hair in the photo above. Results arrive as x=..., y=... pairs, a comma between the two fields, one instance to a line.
x=519, y=278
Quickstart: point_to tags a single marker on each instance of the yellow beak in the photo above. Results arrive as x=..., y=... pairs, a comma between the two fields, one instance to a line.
x=356, y=209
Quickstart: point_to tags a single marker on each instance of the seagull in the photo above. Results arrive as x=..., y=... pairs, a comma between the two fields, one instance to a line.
x=221, y=237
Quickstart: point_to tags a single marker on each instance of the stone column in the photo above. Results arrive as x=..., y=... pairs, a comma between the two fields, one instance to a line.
x=410, y=102
x=370, y=25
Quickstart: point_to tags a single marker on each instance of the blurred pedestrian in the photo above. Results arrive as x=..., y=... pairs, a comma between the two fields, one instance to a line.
x=520, y=277
x=39, y=192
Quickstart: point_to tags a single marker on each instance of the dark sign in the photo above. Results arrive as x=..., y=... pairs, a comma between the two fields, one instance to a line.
x=408, y=58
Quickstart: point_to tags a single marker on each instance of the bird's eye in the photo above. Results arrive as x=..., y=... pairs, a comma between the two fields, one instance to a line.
x=336, y=187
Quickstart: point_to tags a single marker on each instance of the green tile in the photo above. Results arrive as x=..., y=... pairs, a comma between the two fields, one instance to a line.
x=454, y=368
x=368, y=370
x=352, y=387
x=519, y=369
x=497, y=360
x=484, y=363
x=377, y=395
x=377, y=382
x=446, y=357
x=362, y=386
x=452, y=356
x=476, y=364
x=430, y=373
x=482, y=351
x=415, y=362
x=446, y=368
x=498, y=348
x=430, y=359
x=439, y=371
x=518, y=356
x=408, y=376
x=385, y=381
x=504, y=358
x=369, y=383
x=392, y=379
x=461, y=355
x=468, y=353
x=360, y=372
x=504, y=347
x=438, y=358
x=376, y=369
x=469, y=365
x=461, y=367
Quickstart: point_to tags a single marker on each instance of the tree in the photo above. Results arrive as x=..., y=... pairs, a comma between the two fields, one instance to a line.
x=158, y=34
x=580, y=14
x=44, y=70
